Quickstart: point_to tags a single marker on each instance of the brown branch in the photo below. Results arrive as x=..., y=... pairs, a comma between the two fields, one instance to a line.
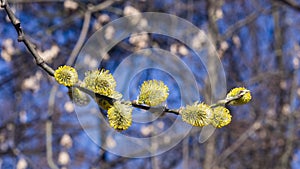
x=133, y=103
x=255, y=126
x=48, y=128
x=289, y=3
x=22, y=38
x=250, y=18
x=85, y=27
x=163, y=109
x=81, y=39
x=101, y=6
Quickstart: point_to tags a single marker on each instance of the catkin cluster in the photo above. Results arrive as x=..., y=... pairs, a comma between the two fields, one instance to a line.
x=152, y=93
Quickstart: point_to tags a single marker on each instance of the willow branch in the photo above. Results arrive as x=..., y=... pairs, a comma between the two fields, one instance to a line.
x=164, y=109
x=227, y=100
x=133, y=103
x=22, y=38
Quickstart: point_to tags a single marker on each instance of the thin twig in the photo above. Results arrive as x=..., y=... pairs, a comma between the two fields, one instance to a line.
x=81, y=39
x=40, y=62
x=101, y=6
x=22, y=38
x=164, y=109
x=250, y=18
x=227, y=100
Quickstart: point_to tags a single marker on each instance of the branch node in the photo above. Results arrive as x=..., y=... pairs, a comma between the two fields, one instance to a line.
x=3, y=3
x=16, y=22
x=40, y=62
x=21, y=38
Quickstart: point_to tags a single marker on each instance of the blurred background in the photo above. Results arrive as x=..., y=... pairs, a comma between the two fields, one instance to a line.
x=257, y=43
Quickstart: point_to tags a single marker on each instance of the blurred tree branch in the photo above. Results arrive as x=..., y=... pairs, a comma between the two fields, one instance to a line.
x=248, y=133
x=49, y=128
x=290, y=3
x=81, y=39
x=250, y=18
x=213, y=35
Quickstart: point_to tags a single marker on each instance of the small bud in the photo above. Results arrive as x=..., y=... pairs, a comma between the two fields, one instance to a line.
x=245, y=96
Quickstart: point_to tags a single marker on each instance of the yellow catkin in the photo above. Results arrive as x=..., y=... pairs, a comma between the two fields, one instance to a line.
x=243, y=100
x=221, y=117
x=120, y=116
x=100, y=81
x=198, y=114
x=66, y=75
x=153, y=93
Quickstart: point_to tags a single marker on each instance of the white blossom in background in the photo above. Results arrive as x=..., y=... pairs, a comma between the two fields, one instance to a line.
x=66, y=141
x=183, y=50
x=219, y=14
x=69, y=107
x=3, y=142
x=236, y=41
x=138, y=21
x=69, y=4
x=63, y=158
x=22, y=164
x=286, y=109
x=101, y=20
x=110, y=142
x=130, y=10
x=32, y=82
x=160, y=124
x=23, y=116
x=224, y=45
x=139, y=40
x=298, y=91
x=296, y=62
x=7, y=50
x=283, y=85
x=174, y=48
x=90, y=61
x=109, y=32
x=146, y=130
x=199, y=40
x=50, y=54
x=104, y=18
